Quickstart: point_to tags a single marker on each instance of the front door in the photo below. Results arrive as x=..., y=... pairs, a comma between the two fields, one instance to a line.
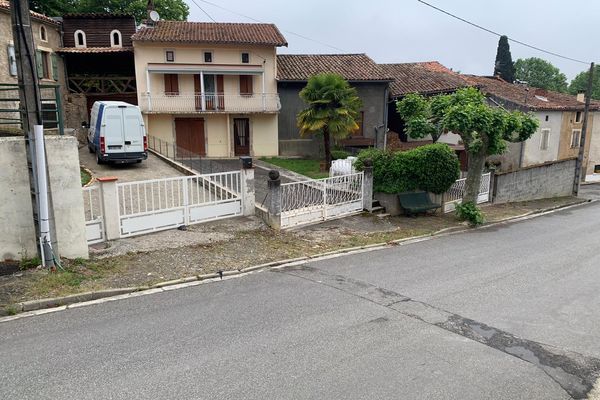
x=189, y=136
x=241, y=136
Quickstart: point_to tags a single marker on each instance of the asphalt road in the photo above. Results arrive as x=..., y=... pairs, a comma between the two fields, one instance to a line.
x=508, y=312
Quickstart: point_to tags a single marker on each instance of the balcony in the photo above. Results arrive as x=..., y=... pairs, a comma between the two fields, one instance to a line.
x=209, y=103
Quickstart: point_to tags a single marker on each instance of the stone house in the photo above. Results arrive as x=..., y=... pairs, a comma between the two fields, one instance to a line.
x=210, y=88
x=371, y=83
x=47, y=40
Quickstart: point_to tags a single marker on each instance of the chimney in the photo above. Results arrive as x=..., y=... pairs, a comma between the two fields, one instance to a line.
x=581, y=97
x=149, y=9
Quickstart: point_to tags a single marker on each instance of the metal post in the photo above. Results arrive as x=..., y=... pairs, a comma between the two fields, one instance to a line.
x=274, y=204
x=581, y=155
x=368, y=185
x=59, y=111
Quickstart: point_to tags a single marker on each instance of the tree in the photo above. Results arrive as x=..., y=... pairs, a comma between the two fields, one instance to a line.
x=332, y=109
x=483, y=129
x=541, y=74
x=420, y=116
x=504, y=67
x=579, y=83
x=176, y=10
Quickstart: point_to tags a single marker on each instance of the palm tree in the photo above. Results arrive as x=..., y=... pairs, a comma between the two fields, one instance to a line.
x=332, y=109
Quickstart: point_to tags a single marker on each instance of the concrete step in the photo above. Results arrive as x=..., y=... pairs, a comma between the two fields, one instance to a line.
x=377, y=210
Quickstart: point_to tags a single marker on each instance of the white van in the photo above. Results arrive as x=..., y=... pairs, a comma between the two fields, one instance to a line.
x=117, y=133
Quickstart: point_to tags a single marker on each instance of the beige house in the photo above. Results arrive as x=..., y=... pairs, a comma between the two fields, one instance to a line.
x=210, y=88
x=47, y=39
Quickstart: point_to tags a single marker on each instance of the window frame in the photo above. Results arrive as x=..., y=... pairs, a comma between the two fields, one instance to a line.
x=212, y=56
x=573, y=146
x=578, y=115
x=167, y=51
x=43, y=33
x=112, y=42
x=46, y=65
x=242, y=57
x=75, y=36
x=544, y=139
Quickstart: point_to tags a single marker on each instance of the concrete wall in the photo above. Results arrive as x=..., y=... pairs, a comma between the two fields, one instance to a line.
x=17, y=231
x=552, y=179
x=292, y=144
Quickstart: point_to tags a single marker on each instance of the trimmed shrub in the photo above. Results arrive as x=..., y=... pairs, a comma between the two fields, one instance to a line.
x=432, y=168
x=339, y=154
x=469, y=212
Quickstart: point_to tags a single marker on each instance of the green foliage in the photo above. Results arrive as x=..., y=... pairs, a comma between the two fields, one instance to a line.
x=469, y=211
x=541, y=74
x=168, y=9
x=432, y=168
x=28, y=263
x=420, y=116
x=310, y=168
x=579, y=83
x=504, y=66
x=339, y=154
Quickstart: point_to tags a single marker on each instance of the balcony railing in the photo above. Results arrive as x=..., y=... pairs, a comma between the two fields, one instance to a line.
x=196, y=103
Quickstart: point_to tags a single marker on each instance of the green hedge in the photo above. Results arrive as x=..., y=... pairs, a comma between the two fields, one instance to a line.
x=432, y=168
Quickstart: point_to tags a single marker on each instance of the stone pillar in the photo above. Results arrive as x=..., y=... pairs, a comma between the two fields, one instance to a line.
x=274, y=204
x=110, y=207
x=248, y=198
x=368, y=185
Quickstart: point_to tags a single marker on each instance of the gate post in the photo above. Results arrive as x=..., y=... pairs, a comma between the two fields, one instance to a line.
x=247, y=187
x=110, y=207
x=274, y=204
x=368, y=185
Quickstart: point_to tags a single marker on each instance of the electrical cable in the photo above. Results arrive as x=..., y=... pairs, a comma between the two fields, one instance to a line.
x=204, y=11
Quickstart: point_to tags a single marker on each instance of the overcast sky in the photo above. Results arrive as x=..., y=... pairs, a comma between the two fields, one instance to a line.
x=406, y=30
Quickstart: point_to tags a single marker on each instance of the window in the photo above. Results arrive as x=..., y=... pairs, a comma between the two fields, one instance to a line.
x=547, y=117
x=171, y=84
x=43, y=33
x=545, y=139
x=246, y=85
x=12, y=60
x=115, y=39
x=43, y=64
x=597, y=169
x=49, y=115
x=245, y=58
x=170, y=55
x=208, y=56
x=80, y=40
x=578, y=117
x=575, y=136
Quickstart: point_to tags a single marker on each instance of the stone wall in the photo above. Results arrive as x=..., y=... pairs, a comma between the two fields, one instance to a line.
x=552, y=179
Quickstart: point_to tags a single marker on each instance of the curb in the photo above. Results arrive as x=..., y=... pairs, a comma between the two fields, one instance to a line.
x=44, y=306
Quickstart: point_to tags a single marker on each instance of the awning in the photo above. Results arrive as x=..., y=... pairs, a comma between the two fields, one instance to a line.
x=204, y=68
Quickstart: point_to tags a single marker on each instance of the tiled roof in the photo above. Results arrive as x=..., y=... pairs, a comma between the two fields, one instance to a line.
x=5, y=5
x=353, y=67
x=527, y=97
x=422, y=77
x=211, y=32
x=91, y=50
x=96, y=15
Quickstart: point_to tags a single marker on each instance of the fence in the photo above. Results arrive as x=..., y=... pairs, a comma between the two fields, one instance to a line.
x=10, y=115
x=454, y=195
x=94, y=221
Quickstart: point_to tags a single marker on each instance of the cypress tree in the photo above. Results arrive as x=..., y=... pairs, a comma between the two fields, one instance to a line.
x=504, y=68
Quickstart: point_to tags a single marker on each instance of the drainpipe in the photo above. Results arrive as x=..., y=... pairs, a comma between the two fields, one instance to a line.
x=385, y=117
x=42, y=180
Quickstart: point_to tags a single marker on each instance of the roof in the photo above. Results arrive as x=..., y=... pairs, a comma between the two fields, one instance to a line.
x=211, y=32
x=92, y=50
x=353, y=67
x=528, y=97
x=422, y=77
x=5, y=5
x=96, y=15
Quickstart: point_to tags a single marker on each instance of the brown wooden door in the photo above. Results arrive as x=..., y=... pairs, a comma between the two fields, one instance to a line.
x=197, y=93
x=189, y=136
x=220, y=92
x=241, y=136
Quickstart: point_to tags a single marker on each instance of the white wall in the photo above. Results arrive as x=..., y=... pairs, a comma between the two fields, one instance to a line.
x=533, y=154
x=594, y=149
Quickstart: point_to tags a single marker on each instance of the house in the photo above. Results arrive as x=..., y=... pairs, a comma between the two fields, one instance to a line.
x=428, y=79
x=560, y=116
x=98, y=55
x=47, y=39
x=210, y=88
x=294, y=70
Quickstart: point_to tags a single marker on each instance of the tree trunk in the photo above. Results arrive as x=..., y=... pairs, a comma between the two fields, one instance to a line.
x=473, y=182
x=327, y=143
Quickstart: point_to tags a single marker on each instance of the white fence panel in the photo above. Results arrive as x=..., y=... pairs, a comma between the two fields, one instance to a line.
x=94, y=219
x=456, y=192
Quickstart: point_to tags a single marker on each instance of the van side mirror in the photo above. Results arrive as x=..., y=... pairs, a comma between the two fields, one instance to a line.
x=85, y=125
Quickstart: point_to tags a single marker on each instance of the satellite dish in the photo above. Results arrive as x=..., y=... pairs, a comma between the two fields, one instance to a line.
x=154, y=16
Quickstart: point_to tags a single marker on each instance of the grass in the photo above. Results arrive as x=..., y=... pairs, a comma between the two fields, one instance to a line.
x=85, y=177
x=306, y=167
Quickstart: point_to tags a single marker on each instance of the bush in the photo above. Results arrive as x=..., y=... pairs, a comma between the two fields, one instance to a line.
x=469, y=212
x=432, y=168
x=339, y=154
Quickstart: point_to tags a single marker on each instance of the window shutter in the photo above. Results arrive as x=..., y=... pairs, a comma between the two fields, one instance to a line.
x=54, y=67
x=12, y=60
x=246, y=84
x=171, y=84
x=39, y=62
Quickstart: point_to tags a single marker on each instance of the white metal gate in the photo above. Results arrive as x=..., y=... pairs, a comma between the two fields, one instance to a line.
x=456, y=192
x=94, y=220
x=322, y=199
x=159, y=204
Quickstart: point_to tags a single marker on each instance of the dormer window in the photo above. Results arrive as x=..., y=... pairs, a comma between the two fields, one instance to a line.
x=170, y=55
x=80, y=38
x=115, y=39
x=245, y=58
x=43, y=34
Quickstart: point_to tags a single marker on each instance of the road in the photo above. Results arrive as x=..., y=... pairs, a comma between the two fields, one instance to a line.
x=507, y=312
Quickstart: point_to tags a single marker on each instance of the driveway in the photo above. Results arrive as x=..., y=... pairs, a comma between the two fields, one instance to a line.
x=504, y=312
x=152, y=168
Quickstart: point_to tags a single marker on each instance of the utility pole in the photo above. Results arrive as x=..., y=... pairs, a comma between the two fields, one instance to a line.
x=31, y=119
x=586, y=110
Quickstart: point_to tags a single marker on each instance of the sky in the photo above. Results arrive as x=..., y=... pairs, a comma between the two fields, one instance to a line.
x=408, y=31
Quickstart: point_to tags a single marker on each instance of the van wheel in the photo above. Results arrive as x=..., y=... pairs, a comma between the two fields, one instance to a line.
x=98, y=160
